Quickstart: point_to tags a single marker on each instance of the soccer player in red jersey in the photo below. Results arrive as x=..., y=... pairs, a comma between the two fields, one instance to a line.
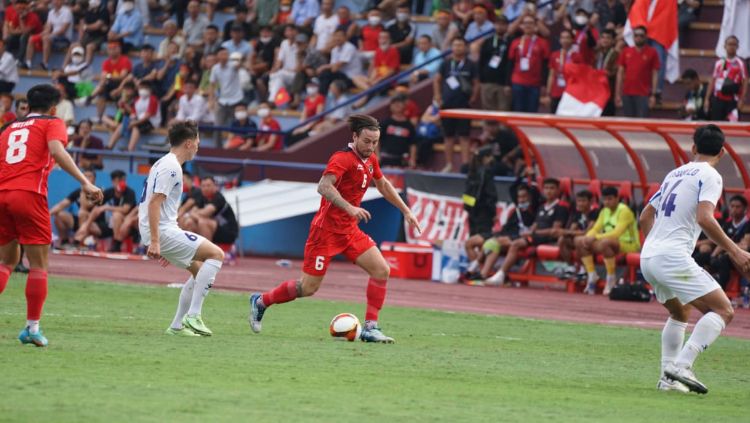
x=27, y=149
x=334, y=229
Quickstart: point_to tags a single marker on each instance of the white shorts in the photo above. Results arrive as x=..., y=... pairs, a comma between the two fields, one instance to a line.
x=677, y=277
x=178, y=246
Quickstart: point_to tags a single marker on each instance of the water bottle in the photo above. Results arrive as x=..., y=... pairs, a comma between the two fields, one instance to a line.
x=286, y=264
x=746, y=297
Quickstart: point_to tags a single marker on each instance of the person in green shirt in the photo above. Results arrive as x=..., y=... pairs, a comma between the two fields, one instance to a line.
x=615, y=232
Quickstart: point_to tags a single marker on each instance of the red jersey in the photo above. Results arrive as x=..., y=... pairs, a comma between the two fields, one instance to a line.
x=31, y=20
x=528, y=55
x=353, y=176
x=25, y=161
x=270, y=124
x=117, y=68
x=581, y=45
x=370, y=37
x=557, y=63
x=639, y=67
x=731, y=69
x=384, y=61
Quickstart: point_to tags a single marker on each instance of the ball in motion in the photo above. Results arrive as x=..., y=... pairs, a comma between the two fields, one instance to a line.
x=345, y=326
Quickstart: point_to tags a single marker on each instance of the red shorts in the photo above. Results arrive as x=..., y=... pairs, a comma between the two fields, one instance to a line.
x=24, y=216
x=322, y=245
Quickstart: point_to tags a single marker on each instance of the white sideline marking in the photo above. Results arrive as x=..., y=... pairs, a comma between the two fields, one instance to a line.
x=77, y=316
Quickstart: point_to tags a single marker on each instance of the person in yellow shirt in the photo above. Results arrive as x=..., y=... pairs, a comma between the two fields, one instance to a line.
x=615, y=232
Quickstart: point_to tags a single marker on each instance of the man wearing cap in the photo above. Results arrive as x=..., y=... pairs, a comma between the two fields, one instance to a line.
x=195, y=24
x=225, y=81
x=240, y=18
x=237, y=43
x=79, y=72
x=128, y=27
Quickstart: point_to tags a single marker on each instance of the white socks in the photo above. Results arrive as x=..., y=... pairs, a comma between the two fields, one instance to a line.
x=33, y=326
x=203, y=281
x=186, y=295
x=706, y=331
x=672, y=337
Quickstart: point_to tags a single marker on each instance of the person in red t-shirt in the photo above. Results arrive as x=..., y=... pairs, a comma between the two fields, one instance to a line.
x=114, y=69
x=334, y=229
x=557, y=61
x=387, y=61
x=369, y=40
x=314, y=105
x=637, y=74
x=528, y=54
x=728, y=86
x=268, y=142
x=585, y=36
x=17, y=36
x=27, y=150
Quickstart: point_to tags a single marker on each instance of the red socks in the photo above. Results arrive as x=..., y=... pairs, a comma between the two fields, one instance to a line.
x=36, y=293
x=4, y=276
x=285, y=292
x=375, y=298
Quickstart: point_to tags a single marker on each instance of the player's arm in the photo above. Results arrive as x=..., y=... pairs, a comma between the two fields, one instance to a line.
x=154, y=214
x=555, y=230
x=57, y=208
x=327, y=189
x=63, y=159
x=623, y=221
x=712, y=229
x=646, y=221
x=186, y=206
x=597, y=226
x=208, y=211
x=388, y=192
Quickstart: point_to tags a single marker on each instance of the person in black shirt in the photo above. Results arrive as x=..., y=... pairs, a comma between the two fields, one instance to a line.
x=212, y=216
x=398, y=146
x=62, y=215
x=403, y=32
x=580, y=221
x=240, y=18
x=494, y=68
x=693, y=108
x=94, y=28
x=550, y=218
x=737, y=229
x=456, y=86
x=107, y=218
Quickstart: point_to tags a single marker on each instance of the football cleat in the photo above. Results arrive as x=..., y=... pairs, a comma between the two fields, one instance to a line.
x=195, y=323
x=185, y=332
x=667, y=384
x=37, y=339
x=686, y=376
x=256, y=313
x=374, y=334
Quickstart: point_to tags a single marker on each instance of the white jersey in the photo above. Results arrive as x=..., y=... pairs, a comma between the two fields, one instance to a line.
x=165, y=177
x=676, y=228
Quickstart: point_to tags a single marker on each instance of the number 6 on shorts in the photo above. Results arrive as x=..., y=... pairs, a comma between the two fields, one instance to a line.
x=320, y=262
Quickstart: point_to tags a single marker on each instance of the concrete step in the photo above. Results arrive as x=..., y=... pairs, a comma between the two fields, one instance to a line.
x=702, y=35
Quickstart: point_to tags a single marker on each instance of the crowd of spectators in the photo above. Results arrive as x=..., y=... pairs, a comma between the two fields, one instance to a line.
x=583, y=225
x=291, y=53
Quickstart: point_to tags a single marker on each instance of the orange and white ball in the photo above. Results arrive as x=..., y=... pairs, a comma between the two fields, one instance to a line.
x=345, y=326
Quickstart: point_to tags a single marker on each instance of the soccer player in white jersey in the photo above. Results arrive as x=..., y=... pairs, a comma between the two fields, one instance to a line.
x=672, y=222
x=157, y=221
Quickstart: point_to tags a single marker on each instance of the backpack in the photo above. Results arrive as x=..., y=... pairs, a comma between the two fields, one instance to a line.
x=636, y=291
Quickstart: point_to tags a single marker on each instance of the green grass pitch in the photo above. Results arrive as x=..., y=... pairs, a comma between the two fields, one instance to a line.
x=108, y=360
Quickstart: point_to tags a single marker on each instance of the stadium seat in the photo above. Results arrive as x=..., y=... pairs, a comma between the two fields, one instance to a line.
x=595, y=186
x=548, y=252
x=625, y=192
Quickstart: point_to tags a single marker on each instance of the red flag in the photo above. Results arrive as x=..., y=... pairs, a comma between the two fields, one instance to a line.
x=282, y=97
x=660, y=19
x=586, y=91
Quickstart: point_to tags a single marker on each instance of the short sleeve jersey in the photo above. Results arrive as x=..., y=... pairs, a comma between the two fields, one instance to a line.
x=165, y=177
x=353, y=176
x=582, y=220
x=223, y=212
x=547, y=215
x=676, y=228
x=25, y=160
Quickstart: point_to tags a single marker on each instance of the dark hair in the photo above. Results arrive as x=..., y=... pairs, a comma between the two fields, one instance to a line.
x=566, y=30
x=585, y=194
x=732, y=37
x=359, y=122
x=610, y=192
x=523, y=187
x=147, y=47
x=584, y=11
x=187, y=173
x=208, y=177
x=88, y=121
x=551, y=181
x=42, y=98
x=117, y=174
x=182, y=131
x=690, y=74
x=427, y=37
x=740, y=198
x=709, y=140
x=21, y=100
x=129, y=85
x=640, y=27
x=212, y=26
x=459, y=39
x=610, y=32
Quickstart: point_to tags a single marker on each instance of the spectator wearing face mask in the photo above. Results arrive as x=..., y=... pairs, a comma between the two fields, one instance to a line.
x=314, y=105
x=266, y=141
x=371, y=34
x=146, y=117
x=93, y=29
x=585, y=36
x=243, y=132
x=403, y=32
x=79, y=73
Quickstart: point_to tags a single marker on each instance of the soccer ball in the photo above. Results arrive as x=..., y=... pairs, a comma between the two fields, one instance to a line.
x=345, y=326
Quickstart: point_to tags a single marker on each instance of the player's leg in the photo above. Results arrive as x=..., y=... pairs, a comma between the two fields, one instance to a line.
x=609, y=248
x=472, y=247
x=585, y=250
x=36, y=293
x=211, y=258
x=493, y=248
x=510, y=259
x=135, y=135
x=207, y=227
x=373, y=262
x=118, y=231
x=10, y=254
x=186, y=296
x=63, y=223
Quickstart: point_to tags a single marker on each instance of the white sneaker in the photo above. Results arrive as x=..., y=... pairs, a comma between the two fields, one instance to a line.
x=687, y=377
x=610, y=283
x=667, y=384
x=497, y=279
x=591, y=282
x=473, y=266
